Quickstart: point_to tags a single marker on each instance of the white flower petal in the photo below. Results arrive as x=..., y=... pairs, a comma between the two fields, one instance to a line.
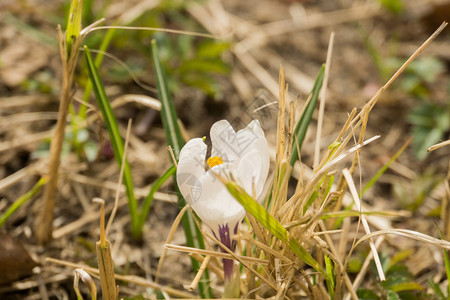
x=191, y=166
x=254, y=167
x=246, y=137
x=255, y=126
x=216, y=206
x=224, y=142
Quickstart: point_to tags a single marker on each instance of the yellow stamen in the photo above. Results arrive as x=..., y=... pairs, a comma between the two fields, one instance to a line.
x=214, y=161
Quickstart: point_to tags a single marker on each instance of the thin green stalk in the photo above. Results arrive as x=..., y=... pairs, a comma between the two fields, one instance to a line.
x=447, y=269
x=149, y=199
x=98, y=61
x=331, y=284
x=385, y=167
x=116, y=140
x=22, y=200
x=169, y=118
x=81, y=115
x=305, y=119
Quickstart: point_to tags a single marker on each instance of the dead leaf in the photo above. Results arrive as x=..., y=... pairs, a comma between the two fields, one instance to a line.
x=15, y=262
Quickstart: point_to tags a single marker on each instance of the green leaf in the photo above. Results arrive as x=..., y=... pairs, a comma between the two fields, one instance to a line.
x=149, y=199
x=392, y=296
x=202, y=81
x=169, y=119
x=116, y=140
x=305, y=119
x=204, y=66
x=406, y=286
x=427, y=68
x=397, y=274
x=354, y=265
x=74, y=23
x=400, y=256
x=395, y=6
x=212, y=48
x=364, y=294
x=269, y=222
x=430, y=122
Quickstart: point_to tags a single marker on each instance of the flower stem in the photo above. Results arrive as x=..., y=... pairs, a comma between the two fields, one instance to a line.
x=232, y=283
x=227, y=268
x=231, y=289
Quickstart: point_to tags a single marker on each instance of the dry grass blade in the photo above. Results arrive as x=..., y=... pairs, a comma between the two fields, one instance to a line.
x=45, y=219
x=248, y=267
x=20, y=175
x=126, y=278
x=88, y=217
x=309, y=187
x=267, y=249
x=109, y=185
x=182, y=32
x=355, y=196
x=248, y=259
x=140, y=99
x=439, y=145
x=415, y=54
x=105, y=261
x=323, y=96
x=174, y=227
x=415, y=235
x=199, y=274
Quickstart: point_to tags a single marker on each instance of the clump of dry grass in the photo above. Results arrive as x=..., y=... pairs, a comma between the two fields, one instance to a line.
x=314, y=214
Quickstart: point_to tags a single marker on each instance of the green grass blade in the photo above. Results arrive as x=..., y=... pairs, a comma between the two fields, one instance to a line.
x=447, y=269
x=169, y=118
x=149, y=199
x=447, y=265
x=22, y=199
x=73, y=23
x=305, y=119
x=98, y=61
x=116, y=140
x=384, y=168
x=168, y=113
x=269, y=222
x=81, y=115
x=331, y=283
x=437, y=290
x=315, y=194
x=29, y=31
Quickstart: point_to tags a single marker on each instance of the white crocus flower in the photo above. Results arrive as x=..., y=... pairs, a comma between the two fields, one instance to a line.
x=242, y=156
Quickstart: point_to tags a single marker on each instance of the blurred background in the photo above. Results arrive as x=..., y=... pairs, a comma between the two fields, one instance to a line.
x=232, y=75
